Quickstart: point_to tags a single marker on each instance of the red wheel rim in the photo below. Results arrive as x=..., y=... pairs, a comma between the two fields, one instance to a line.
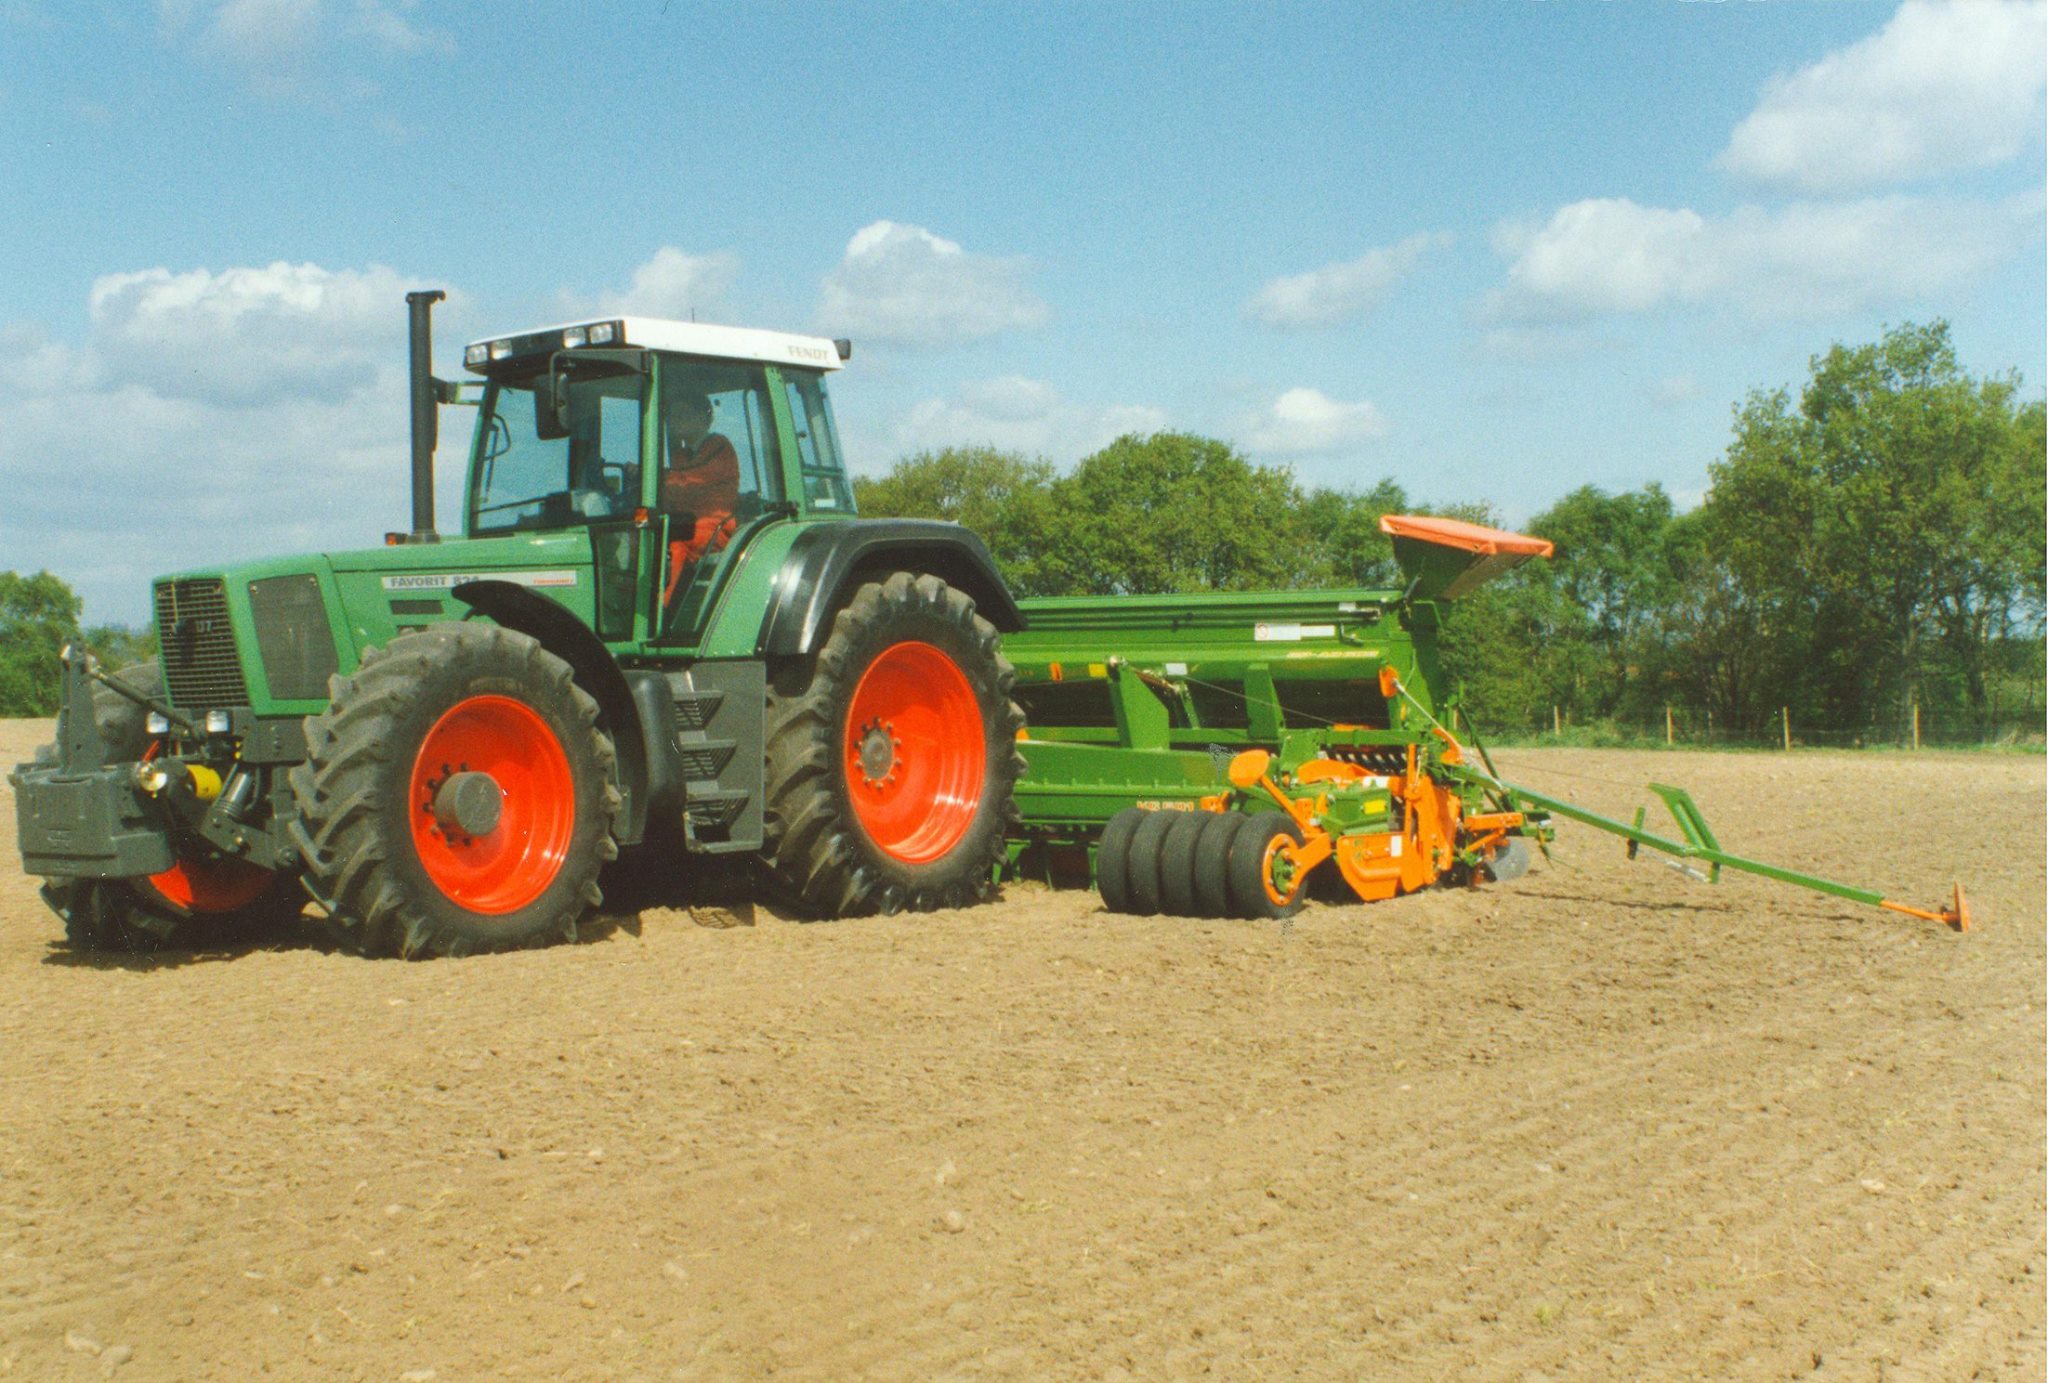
x=916, y=752
x=220, y=885
x=509, y=866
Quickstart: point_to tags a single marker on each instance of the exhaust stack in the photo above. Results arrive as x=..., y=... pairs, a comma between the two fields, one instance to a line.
x=425, y=412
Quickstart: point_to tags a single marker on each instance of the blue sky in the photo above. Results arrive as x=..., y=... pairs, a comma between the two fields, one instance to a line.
x=1492, y=251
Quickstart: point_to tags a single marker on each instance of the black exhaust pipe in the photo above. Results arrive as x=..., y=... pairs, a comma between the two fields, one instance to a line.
x=426, y=416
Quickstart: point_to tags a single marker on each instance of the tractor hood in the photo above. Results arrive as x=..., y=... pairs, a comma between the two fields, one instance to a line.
x=269, y=633
x=1444, y=559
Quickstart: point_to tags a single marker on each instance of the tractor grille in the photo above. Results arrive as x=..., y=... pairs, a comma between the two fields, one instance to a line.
x=201, y=670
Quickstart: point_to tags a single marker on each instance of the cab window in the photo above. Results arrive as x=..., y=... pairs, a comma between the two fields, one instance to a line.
x=535, y=472
x=817, y=444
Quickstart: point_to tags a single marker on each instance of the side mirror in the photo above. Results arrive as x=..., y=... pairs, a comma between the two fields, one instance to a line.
x=551, y=405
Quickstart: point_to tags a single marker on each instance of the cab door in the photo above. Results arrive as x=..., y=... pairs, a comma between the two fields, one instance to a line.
x=719, y=474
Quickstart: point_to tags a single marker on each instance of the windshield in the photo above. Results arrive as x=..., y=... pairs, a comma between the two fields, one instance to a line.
x=530, y=475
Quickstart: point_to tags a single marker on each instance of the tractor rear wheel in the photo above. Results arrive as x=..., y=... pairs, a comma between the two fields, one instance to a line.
x=457, y=796
x=145, y=914
x=892, y=756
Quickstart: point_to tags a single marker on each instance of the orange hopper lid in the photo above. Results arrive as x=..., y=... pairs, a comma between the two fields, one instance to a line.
x=1470, y=537
x=1445, y=558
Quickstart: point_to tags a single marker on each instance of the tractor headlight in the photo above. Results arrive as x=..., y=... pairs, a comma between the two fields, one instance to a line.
x=574, y=337
x=477, y=354
x=218, y=722
x=604, y=333
x=151, y=776
x=500, y=349
x=157, y=723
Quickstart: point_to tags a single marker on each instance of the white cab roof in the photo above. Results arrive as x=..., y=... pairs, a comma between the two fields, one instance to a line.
x=702, y=338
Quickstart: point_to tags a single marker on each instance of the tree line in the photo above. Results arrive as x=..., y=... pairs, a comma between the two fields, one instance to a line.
x=1872, y=543
x=1871, y=549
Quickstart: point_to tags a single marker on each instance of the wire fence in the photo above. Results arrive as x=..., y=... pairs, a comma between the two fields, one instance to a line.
x=1693, y=727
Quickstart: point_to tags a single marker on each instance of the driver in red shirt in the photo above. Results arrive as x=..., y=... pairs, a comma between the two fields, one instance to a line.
x=700, y=483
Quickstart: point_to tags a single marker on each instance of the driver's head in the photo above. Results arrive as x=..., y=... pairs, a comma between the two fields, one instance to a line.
x=687, y=414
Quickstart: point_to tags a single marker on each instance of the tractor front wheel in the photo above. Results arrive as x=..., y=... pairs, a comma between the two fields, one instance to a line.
x=457, y=796
x=228, y=896
x=892, y=757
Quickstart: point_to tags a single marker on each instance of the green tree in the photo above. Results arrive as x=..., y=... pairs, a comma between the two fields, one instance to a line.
x=1345, y=527
x=1887, y=525
x=1176, y=512
x=38, y=616
x=1614, y=581
x=1004, y=497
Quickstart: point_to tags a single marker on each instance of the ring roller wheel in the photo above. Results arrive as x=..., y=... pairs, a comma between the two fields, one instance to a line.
x=1509, y=860
x=1212, y=862
x=1253, y=884
x=1178, y=853
x=1144, y=882
x=1113, y=859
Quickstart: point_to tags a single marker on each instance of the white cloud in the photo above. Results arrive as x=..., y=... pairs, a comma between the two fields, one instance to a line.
x=1019, y=414
x=264, y=31
x=1941, y=87
x=299, y=48
x=903, y=284
x=675, y=284
x=245, y=335
x=381, y=22
x=1306, y=422
x=1338, y=293
x=210, y=417
x=1611, y=256
x=1674, y=390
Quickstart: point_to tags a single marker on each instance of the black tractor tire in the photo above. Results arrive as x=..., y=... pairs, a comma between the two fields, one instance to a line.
x=1248, y=867
x=117, y=916
x=1113, y=859
x=1146, y=894
x=107, y=916
x=402, y=878
x=1212, y=863
x=894, y=847
x=1178, y=859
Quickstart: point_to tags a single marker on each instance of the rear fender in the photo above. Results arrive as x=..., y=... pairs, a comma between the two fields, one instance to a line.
x=828, y=559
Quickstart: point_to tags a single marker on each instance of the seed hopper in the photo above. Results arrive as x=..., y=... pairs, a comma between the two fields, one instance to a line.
x=1226, y=753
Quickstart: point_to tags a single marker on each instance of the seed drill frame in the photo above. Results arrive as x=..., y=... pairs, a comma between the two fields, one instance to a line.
x=1211, y=753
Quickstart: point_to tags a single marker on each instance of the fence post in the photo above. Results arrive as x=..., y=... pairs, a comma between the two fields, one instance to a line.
x=1556, y=720
x=1916, y=722
x=1786, y=712
x=1667, y=726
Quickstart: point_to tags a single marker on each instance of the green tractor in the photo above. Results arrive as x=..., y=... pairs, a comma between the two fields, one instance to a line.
x=663, y=632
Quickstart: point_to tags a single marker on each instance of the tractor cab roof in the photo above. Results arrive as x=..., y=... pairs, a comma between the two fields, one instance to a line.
x=523, y=349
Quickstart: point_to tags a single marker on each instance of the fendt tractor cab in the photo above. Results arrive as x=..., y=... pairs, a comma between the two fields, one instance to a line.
x=663, y=629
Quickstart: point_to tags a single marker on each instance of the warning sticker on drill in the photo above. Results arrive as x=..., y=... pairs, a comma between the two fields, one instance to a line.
x=1292, y=633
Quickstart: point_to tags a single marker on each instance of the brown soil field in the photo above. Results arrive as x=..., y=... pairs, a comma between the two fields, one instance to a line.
x=1602, y=1122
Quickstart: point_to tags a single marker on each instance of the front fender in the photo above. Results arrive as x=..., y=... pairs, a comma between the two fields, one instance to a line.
x=595, y=670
